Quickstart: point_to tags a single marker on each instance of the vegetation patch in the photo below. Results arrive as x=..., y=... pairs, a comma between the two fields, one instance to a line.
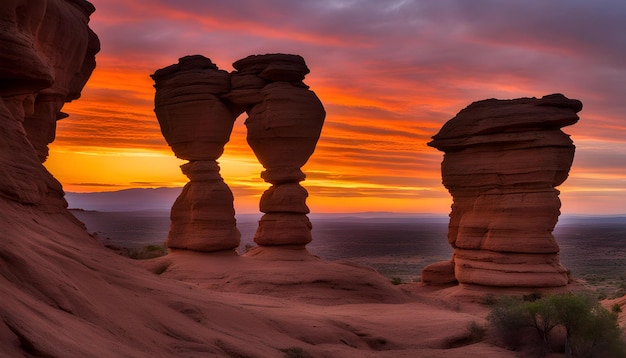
x=586, y=328
x=140, y=253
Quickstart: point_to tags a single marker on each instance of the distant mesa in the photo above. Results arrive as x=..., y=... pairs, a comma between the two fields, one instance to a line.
x=502, y=162
x=196, y=105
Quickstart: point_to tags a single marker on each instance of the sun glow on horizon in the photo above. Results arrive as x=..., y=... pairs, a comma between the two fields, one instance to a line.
x=386, y=92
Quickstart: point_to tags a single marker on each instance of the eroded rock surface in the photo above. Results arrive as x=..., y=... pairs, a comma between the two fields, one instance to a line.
x=197, y=124
x=284, y=125
x=62, y=294
x=503, y=160
x=48, y=53
x=196, y=104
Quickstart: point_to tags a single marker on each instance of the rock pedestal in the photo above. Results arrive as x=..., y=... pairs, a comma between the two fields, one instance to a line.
x=284, y=123
x=203, y=217
x=197, y=124
x=503, y=160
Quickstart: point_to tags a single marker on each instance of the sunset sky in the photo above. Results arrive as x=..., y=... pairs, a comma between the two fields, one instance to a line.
x=389, y=73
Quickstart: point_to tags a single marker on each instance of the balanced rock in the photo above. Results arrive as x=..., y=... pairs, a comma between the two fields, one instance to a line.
x=275, y=67
x=284, y=123
x=197, y=124
x=503, y=160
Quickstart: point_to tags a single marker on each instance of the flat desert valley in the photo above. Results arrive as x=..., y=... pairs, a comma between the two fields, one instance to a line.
x=398, y=246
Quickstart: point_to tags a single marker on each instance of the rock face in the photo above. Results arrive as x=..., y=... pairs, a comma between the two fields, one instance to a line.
x=197, y=124
x=503, y=160
x=196, y=105
x=48, y=53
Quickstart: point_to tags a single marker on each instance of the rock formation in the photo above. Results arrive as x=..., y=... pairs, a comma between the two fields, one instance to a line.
x=503, y=160
x=197, y=125
x=62, y=294
x=284, y=124
x=48, y=52
x=196, y=104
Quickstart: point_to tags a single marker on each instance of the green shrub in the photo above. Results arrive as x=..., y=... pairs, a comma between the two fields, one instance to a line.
x=507, y=318
x=476, y=332
x=590, y=330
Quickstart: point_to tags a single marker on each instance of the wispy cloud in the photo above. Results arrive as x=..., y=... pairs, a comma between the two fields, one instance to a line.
x=389, y=73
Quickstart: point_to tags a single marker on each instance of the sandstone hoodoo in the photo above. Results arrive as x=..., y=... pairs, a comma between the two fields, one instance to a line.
x=196, y=105
x=284, y=124
x=503, y=160
x=197, y=124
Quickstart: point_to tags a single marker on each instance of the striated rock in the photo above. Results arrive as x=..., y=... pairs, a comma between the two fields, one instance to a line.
x=503, y=160
x=70, y=57
x=439, y=273
x=62, y=294
x=197, y=124
x=275, y=67
x=284, y=125
x=196, y=104
x=48, y=52
x=203, y=216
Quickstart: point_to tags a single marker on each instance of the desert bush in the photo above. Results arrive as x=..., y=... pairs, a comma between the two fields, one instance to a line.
x=531, y=297
x=507, y=318
x=542, y=316
x=396, y=280
x=590, y=330
x=489, y=299
x=143, y=253
x=476, y=332
x=598, y=336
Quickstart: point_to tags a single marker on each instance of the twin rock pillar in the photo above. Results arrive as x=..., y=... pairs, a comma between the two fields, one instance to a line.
x=196, y=105
x=503, y=160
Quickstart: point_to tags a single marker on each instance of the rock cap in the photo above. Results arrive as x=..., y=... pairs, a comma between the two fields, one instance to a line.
x=274, y=67
x=495, y=117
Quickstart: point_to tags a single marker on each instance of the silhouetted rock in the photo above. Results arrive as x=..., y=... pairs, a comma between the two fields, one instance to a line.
x=196, y=105
x=48, y=52
x=284, y=124
x=503, y=160
x=197, y=124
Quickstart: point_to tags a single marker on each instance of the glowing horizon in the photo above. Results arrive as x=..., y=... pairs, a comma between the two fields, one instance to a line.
x=389, y=75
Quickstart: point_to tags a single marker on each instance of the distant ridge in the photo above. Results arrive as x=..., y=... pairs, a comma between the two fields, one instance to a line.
x=138, y=199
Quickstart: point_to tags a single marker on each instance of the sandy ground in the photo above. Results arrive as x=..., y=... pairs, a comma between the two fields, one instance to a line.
x=64, y=295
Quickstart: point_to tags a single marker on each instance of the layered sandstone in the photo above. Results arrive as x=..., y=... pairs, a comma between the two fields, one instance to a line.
x=197, y=124
x=62, y=294
x=503, y=160
x=284, y=123
x=196, y=104
x=48, y=52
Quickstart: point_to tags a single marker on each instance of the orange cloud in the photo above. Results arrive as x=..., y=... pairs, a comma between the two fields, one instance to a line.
x=389, y=77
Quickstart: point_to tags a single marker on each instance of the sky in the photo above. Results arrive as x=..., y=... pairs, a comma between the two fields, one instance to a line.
x=390, y=73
